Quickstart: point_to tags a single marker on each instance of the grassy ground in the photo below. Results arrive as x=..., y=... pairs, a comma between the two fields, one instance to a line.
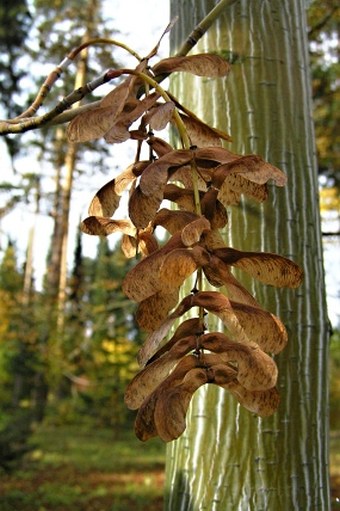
x=74, y=469
x=79, y=470
x=335, y=469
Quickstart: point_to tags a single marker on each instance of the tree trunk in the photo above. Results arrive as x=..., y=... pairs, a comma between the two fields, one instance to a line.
x=228, y=459
x=52, y=332
x=70, y=163
x=53, y=270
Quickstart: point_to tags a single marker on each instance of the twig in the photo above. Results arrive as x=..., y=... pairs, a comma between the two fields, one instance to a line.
x=203, y=26
x=68, y=115
x=61, y=113
x=56, y=73
x=30, y=123
x=322, y=22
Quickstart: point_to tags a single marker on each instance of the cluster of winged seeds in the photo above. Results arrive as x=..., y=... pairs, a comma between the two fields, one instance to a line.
x=200, y=181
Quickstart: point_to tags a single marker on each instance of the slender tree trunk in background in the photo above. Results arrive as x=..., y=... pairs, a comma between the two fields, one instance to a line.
x=53, y=271
x=48, y=328
x=228, y=459
x=29, y=267
x=70, y=162
x=52, y=331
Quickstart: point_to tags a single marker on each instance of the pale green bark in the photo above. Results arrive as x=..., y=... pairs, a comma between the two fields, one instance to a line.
x=228, y=459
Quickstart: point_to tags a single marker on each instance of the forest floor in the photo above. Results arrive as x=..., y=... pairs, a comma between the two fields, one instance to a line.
x=76, y=469
x=335, y=469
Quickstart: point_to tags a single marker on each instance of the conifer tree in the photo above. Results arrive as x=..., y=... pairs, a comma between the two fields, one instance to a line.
x=17, y=336
x=15, y=20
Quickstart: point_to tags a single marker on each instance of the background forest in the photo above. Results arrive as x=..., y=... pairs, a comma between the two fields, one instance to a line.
x=68, y=339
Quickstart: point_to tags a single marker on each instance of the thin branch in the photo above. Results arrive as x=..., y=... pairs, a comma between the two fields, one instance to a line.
x=30, y=123
x=68, y=115
x=203, y=26
x=56, y=73
x=319, y=26
x=61, y=113
x=331, y=233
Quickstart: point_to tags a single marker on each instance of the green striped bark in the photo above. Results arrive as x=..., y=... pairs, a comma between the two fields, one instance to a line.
x=228, y=459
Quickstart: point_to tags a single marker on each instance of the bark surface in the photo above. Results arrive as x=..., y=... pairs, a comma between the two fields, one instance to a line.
x=228, y=459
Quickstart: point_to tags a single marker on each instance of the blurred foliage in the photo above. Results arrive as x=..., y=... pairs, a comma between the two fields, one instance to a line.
x=15, y=21
x=16, y=363
x=101, y=338
x=14, y=440
x=17, y=333
x=329, y=200
x=324, y=28
x=335, y=380
x=86, y=366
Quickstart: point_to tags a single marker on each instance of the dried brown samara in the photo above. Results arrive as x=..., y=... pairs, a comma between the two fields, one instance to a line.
x=199, y=181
